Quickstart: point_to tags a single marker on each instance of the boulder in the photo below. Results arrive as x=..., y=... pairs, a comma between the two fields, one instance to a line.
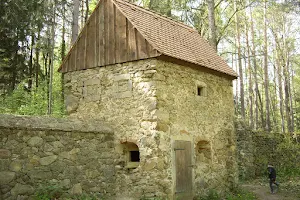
x=6, y=177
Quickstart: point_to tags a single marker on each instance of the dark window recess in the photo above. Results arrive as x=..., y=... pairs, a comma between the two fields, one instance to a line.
x=134, y=156
x=200, y=91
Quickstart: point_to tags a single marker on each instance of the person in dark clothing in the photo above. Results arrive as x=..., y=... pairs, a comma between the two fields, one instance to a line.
x=272, y=177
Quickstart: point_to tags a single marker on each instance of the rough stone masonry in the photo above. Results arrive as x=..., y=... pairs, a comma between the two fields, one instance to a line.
x=153, y=103
x=149, y=104
x=39, y=151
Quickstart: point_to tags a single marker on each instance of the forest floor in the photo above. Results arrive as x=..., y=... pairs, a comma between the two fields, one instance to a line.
x=289, y=190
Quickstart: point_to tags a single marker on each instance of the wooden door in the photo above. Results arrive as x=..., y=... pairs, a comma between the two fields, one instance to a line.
x=183, y=168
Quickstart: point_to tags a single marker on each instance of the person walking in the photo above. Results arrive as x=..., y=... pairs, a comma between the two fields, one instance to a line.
x=272, y=177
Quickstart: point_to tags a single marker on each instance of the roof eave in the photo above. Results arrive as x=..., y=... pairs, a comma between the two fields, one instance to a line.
x=169, y=58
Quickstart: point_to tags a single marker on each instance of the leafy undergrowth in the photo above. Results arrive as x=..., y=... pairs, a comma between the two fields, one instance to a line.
x=238, y=194
x=52, y=191
x=288, y=186
x=292, y=185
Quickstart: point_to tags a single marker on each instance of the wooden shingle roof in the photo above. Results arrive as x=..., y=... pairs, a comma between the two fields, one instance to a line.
x=125, y=32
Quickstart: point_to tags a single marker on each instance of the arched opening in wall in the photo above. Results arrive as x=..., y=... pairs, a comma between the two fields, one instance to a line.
x=203, y=152
x=132, y=155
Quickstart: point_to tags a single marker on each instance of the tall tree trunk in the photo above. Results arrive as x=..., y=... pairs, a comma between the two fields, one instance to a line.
x=75, y=20
x=235, y=97
x=52, y=45
x=255, y=73
x=240, y=63
x=212, y=25
x=291, y=96
x=82, y=14
x=87, y=10
x=30, y=75
x=286, y=73
x=287, y=97
x=236, y=83
x=63, y=41
x=278, y=61
x=295, y=121
x=63, y=52
x=13, y=80
x=45, y=56
x=169, y=8
x=37, y=57
x=266, y=72
x=273, y=95
x=261, y=108
x=251, y=121
x=279, y=76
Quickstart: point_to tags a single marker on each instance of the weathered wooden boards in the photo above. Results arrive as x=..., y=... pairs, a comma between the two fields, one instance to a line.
x=107, y=38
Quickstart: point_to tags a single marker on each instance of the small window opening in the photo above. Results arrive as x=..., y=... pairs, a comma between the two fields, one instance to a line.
x=134, y=156
x=200, y=91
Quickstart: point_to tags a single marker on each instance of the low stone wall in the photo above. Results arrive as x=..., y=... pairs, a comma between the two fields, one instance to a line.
x=246, y=150
x=76, y=156
x=257, y=149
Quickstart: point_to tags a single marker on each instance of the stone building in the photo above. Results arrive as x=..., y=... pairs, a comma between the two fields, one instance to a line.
x=166, y=94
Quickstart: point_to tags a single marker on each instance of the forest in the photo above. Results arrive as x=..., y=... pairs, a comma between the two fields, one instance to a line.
x=259, y=39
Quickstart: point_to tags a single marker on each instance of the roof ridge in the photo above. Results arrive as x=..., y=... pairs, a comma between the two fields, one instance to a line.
x=180, y=23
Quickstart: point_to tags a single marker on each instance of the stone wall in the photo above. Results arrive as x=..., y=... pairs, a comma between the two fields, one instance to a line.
x=76, y=156
x=205, y=119
x=124, y=95
x=258, y=148
x=152, y=103
x=246, y=149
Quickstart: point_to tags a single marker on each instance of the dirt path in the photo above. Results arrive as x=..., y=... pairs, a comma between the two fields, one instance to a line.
x=263, y=193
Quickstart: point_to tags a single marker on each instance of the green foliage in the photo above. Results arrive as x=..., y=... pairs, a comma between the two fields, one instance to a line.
x=23, y=102
x=18, y=21
x=288, y=163
x=48, y=192
x=51, y=191
x=92, y=6
x=237, y=194
x=212, y=195
x=240, y=194
x=283, y=151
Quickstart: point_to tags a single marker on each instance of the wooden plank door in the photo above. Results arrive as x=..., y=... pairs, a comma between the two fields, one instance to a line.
x=183, y=168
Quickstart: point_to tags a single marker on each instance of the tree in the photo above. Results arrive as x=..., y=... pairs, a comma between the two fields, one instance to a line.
x=211, y=22
x=250, y=72
x=266, y=74
x=241, y=79
x=75, y=20
x=162, y=6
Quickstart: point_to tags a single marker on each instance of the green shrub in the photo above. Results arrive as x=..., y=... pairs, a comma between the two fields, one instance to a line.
x=211, y=195
x=35, y=102
x=48, y=192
